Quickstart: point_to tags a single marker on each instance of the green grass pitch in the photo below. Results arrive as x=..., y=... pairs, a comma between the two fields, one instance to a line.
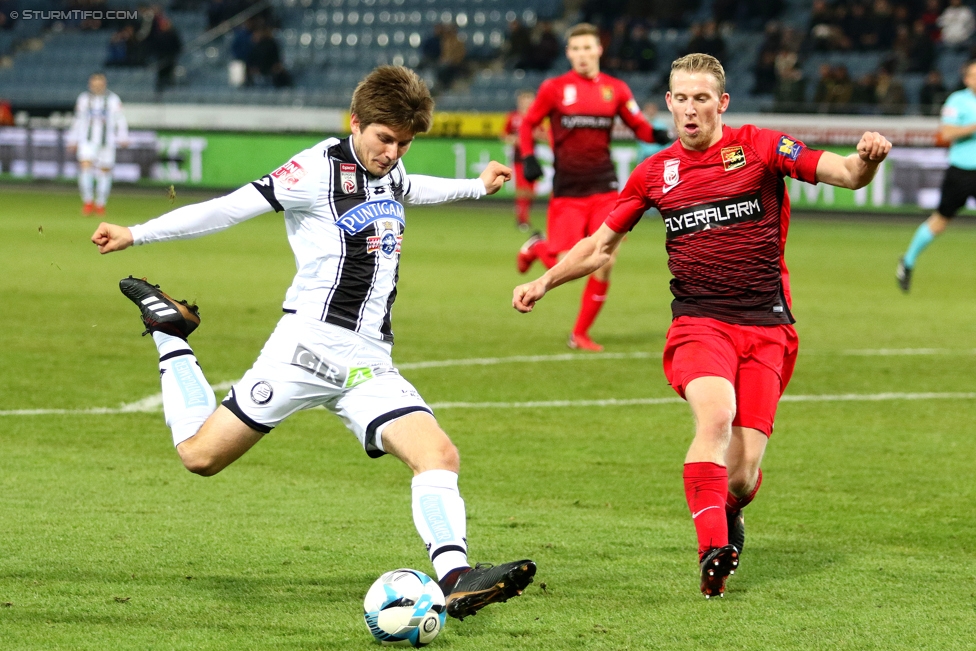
x=862, y=537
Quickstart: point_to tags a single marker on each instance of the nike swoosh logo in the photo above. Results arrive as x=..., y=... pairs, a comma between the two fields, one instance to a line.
x=695, y=515
x=667, y=188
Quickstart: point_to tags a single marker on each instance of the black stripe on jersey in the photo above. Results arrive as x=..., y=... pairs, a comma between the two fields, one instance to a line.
x=356, y=275
x=387, y=328
x=265, y=185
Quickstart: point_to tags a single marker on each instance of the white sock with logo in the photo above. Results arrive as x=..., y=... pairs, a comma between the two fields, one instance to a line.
x=438, y=514
x=104, y=179
x=86, y=184
x=188, y=399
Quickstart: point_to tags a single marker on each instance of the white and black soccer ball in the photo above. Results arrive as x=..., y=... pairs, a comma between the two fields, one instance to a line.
x=405, y=607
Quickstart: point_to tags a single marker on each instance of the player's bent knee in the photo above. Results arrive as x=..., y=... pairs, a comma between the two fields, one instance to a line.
x=199, y=463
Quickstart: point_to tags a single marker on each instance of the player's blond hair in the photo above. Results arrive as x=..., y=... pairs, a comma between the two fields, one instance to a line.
x=395, y=97
x=692, y=63
x=583, y=29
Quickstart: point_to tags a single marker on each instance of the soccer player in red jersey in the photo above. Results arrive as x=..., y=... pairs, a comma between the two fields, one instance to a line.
x=581, y=106
x=731, y=347
x=524, y=189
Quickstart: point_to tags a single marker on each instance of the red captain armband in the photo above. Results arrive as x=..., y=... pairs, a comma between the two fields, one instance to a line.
x=289, y=174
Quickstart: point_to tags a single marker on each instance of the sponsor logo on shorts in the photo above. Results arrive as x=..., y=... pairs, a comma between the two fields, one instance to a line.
x=355, y=220
x=261, y=393
x=289, y=174
x=788, y=147
x=733, y=158
x=339, y=376
x=347, y=178
x=708, y=216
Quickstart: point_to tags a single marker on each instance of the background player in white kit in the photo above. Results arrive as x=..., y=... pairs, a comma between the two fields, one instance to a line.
x=99, y=126
x=345, y=223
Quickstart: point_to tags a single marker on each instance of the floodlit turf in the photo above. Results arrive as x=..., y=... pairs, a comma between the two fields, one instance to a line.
x=862, y=537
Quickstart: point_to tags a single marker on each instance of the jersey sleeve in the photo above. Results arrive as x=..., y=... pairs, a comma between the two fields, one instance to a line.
x=294, y=185
x=121, y=126
x=200, y=219
x=633, y=201
x=80, y=123
x=533, y=118
x=785, y=155
x=951, y=113
x=630, y=113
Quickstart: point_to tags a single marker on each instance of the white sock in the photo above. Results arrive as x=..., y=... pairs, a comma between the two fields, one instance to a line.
x=86, y=183
x=438, y=514
x=104, y=179
x=188, y=399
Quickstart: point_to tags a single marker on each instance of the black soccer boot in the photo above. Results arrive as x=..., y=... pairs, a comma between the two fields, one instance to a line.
x=716, y=566
x=160, y=312
x=468, y=590
x=737, y=528
x=903, y=275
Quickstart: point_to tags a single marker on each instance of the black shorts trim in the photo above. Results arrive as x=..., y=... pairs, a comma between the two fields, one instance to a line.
x=448, y=548
x=176, y=353
x=369, y=441
x=957, y=186
x=287, y=311
x=231, y=403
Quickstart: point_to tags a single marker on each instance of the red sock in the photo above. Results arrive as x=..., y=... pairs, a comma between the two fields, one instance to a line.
x=706, y=485
x=733, y=503
x=523, y=208
x=541, y=251
x=594, y=296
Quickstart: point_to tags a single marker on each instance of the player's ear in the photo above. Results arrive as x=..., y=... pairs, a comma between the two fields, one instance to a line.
x=354, y=124
x=723, y=103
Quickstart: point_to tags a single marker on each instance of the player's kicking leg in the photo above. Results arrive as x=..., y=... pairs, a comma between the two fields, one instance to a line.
x=439, y=515
x=206, y=440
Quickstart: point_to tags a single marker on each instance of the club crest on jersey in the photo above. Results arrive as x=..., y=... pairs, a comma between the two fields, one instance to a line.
x=569, y=95
x=356, y=219
x=671, y=174
x=347, y=178
x=387, y=242
x=733, y=158
x=789, y=148
x=606, y=92
x=289, y=174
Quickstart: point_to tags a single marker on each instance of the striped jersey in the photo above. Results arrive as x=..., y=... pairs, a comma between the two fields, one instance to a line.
x=345, y=228
x=99, y=120
x=726, y=214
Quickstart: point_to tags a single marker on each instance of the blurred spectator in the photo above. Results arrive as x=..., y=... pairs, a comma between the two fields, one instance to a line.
x=88, y=24
x=889, y=92
x=518, y=47
x=933, y=93
x=547, y=48
x=765, y=69
x=166, y=46
x=430, y=48
x=6, y=6
x=883, y=22
x=640, y=54
x=706, y=40
x=264, y=59
x=118, y=48
x=957, y=24
x=930, y=17
x=834, y=90
x=865, y=97
x=613, y=51
x=451, y=65
x=791, y=91
x=921, y=56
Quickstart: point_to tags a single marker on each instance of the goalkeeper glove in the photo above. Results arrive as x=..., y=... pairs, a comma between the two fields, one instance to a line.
x=531, y=169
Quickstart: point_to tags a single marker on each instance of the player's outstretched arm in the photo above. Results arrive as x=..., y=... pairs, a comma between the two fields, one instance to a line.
x=494, y=176
x=111, y=237
x=587, y=256
x=857, y=170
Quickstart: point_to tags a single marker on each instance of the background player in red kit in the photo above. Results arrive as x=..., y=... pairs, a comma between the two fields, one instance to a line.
x=524, y=189
x=581, y=106
x=731, y=346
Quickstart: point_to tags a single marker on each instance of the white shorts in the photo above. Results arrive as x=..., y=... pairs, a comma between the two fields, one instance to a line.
x=100, y=156
x=307, y=363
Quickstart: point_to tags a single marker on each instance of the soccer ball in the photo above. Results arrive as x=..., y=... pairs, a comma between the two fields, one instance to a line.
x=405, y=607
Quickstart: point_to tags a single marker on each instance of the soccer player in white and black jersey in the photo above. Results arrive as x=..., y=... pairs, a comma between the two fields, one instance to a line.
x=99, y=126
x=343, y=206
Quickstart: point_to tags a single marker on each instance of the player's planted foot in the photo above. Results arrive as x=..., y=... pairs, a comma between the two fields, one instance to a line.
x=88, y=208
x=903, y=275
x=526, y=255
x=737, y=529
x=99, y=210
x=716, y=566
x=160, y=312
x=582, y=342
x=468, y=590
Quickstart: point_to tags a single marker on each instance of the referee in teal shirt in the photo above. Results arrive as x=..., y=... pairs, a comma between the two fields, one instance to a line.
x=958, y=127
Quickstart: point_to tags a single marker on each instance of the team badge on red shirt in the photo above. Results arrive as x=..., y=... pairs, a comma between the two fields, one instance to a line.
x=569, y=95
x=347, y=177
x=670, y=174
x=733, y=158
x=289, y=174
x=788, y=147
x=607, y=93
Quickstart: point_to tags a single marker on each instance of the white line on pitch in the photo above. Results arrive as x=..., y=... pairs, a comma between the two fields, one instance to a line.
x=144, y=406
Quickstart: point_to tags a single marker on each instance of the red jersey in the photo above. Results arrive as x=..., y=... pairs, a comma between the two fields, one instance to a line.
x=513, y=121
x=581, y=113
x=726, y=213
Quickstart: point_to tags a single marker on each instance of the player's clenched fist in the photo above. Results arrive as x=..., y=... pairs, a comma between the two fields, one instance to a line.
x=525, y=296
x=873, y=147
x=494, y=176
x=110, y=237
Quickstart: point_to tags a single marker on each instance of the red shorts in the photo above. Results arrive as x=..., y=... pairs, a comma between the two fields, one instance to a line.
x=757, y=360
x=573, y=218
